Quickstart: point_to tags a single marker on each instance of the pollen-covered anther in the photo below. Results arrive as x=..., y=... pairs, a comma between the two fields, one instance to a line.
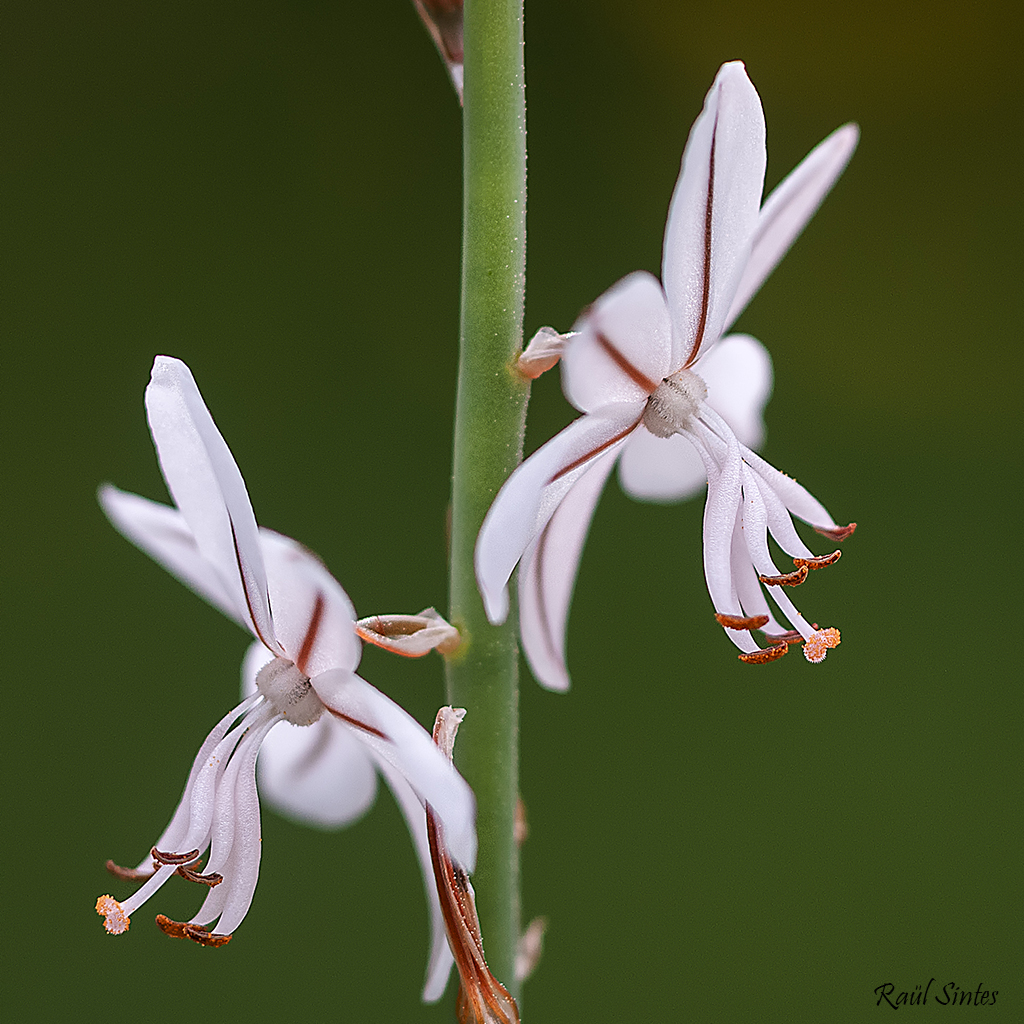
x=115, y=920
x=820, y=561
x=787, y=579
x=130, y=874
x=765, y=654
x=839, y=533
x=739, y=622
x=818, y=643
x=184, y=930
x=212, y=879
x=175, y=858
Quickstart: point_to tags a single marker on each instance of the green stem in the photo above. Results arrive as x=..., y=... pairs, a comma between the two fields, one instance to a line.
x=489, y=423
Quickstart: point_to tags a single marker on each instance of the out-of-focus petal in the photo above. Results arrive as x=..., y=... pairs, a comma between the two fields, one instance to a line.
x=788, y=209
x=548, y=575
x=162, y=533
x=299, y=583
x=623, y=347
x=401, y=740
x=738, y=373
x=207, y=487
x=532, y=493
x=713, y=213
x=319, y=774
x=660, y=468
x=439, y=964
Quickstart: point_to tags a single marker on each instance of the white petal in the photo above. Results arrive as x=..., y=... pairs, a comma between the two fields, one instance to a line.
x=439, y=964
x=532, y=493
x=548, y=575
x=299, y=583
x=661, y=468
x=208, y=489
x=714, y=213
x=320, y=775
x=788, y=209
x=738, y=373
x=623, y=347
x=161, y=531
x=401, y=740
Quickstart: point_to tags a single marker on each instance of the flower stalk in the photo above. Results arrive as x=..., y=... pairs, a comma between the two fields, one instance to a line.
x=489, y=425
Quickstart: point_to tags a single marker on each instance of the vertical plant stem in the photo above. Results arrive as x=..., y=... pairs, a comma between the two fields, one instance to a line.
x=489, y=423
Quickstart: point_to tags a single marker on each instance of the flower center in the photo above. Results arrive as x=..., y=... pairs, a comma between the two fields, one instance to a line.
x=289, y=692
x=675, y=402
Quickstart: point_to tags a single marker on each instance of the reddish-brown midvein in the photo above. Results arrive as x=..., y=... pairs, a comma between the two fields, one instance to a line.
x=587, y=456
x=311, y=631
x=359, y=725
x=542, y=606
x=245, y=588
x=706, y=294
x=636, y=375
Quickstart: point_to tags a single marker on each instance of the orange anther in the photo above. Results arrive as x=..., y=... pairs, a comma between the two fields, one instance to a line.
x=820, y=561
x=765, y=654
x=787, y=579
x=739, y=622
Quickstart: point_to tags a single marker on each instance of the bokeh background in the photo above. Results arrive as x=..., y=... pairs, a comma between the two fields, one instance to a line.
x=271, y=191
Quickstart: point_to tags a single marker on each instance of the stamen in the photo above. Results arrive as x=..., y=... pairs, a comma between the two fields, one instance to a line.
x=129, y=874
x=184, y=930
x=116, y=921
x=839, y=533
x=739, y=622
x=175, y=858
x=765, y=654
x=787, y=579
x=818, y=562
x=819, y=642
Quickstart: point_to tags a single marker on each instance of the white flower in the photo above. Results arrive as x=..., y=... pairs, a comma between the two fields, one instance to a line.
x=632, y=367
x=321, y=767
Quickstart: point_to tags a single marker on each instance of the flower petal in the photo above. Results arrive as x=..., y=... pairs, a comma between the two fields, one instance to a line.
x=320, y=774
x=207, y=487
x=313, y=617
x=401, y=740
x=788, y=209
x=162, y=533
x=661, y=468
x=623, y=347
x=439, y=964
x=713, y=213
x=531, y=494
x=548, y=574
x=738, y=373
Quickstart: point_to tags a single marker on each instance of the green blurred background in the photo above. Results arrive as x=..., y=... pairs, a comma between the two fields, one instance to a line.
x=271, y=191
